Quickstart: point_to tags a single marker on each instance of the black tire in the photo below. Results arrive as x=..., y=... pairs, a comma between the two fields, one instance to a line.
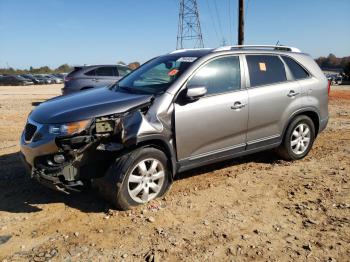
x=114, y=185
x=285, y=150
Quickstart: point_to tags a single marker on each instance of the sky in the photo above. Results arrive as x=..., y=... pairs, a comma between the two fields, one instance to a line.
x=53, y=32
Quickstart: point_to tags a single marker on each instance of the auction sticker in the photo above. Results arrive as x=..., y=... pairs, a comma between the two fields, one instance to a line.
x=187, y=59
x=262, y=66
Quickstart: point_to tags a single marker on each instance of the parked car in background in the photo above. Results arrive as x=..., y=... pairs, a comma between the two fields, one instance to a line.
x=36, y=80
x=87, y=77
x=177, y=112
x=42, y=79
x=335, y=79
x=60, y=75
x=15, y=80
x=55, y=79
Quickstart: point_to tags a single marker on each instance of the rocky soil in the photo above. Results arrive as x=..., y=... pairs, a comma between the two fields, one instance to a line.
x=251, y=208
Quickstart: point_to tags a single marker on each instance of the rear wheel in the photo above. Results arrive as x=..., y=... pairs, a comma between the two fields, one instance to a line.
x=298, y=139
x=136, y=178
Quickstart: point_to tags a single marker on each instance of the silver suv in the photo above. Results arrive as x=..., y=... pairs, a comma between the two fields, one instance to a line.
x=176, y=112
x=87, y=77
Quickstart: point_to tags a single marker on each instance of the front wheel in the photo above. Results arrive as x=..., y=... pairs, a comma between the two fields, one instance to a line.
x=298, y=140
x=136, y=178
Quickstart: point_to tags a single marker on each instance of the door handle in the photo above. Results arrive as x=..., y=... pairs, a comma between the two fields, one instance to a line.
x=292, y=93
x=237, y=105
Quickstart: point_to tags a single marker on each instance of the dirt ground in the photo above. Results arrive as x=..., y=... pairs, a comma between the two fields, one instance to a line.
x=251, y=208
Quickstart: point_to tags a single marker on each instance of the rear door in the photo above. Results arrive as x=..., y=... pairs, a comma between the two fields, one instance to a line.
x=273, y=97
x=215, y=124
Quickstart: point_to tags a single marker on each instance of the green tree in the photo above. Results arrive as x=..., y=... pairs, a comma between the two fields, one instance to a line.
x=65, y=68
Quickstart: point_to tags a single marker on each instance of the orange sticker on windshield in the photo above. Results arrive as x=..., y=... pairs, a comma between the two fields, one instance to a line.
x=173, y=72
x=262, y=66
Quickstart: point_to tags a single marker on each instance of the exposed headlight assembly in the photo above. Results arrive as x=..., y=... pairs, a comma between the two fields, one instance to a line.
x=69, y=128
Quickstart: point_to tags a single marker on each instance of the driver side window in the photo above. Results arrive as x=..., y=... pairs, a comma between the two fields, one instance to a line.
x=219, y=76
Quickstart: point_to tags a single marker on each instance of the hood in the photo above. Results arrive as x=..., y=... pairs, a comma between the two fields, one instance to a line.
x=86, y=105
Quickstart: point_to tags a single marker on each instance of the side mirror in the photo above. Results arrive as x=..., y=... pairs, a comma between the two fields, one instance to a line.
x=196, y=92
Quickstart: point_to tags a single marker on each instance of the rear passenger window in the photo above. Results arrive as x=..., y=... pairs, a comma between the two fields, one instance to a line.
x=297, y=71
x=219, y=76
x=105, y=71
x=265, y=70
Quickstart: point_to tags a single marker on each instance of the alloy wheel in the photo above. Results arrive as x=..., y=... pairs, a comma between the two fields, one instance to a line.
x=146, y=180
x=300, y=139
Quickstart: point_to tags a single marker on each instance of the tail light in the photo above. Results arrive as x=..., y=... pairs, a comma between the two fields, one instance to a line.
x=68, y=78
x=329, y=86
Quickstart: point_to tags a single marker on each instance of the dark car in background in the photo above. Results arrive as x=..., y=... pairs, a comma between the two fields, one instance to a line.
x=15, y=80
x=87, y=77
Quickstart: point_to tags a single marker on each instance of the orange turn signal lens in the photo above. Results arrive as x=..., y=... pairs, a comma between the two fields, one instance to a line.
x=75, y=127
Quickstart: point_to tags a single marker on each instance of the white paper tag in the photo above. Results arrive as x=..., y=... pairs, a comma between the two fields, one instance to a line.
x=186, y=59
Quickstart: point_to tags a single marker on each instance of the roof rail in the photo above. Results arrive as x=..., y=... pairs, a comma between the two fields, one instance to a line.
x=273, y=47
x=190, y=49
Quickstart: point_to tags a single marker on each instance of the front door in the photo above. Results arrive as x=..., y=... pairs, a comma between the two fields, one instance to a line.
x=217, y=122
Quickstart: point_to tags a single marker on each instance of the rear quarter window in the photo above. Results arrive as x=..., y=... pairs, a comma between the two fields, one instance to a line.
x=76, y=69
x=265, y=70
x=91, y=73
x=123, y=70
x=297, y=70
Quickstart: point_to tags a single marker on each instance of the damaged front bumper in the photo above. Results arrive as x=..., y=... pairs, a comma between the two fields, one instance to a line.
x=52, y=181
x=39, y=151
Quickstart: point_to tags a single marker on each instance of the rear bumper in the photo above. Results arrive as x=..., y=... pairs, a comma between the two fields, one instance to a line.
x=67, y=91
x=323, y=124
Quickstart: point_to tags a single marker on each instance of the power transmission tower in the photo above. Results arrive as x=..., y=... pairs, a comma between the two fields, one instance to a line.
x=189, y=29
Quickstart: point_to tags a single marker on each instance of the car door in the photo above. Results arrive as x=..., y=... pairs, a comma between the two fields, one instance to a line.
x=216, y=123
x=273, y=98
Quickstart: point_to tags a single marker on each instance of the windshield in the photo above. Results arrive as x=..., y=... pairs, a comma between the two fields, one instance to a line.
x=156, y=76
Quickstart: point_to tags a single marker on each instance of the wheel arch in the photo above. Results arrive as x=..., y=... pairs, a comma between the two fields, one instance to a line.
x=86, y=87
x=162, y=144
x=311, y=113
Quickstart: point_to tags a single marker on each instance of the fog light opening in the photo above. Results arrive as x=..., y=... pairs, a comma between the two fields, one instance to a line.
x=59, y=159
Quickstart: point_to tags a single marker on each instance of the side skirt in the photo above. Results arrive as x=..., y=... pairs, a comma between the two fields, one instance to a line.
x=250, y=148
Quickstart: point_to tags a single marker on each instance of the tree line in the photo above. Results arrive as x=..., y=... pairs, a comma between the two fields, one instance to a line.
x=333, y=62
x=65, y=68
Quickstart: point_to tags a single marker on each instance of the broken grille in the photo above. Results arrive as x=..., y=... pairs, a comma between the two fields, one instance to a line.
x=29, y=131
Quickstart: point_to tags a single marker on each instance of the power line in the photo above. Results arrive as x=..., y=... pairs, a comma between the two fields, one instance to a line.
x=218, y=18
x=230, y=22
x=213, y=21
x=246, y=11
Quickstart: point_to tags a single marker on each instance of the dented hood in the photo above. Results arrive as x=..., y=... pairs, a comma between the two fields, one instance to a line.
x=86, y=105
